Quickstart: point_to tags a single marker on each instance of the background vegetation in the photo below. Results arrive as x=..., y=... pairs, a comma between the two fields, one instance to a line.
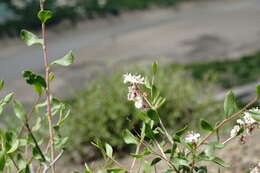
x=24, y=15
x=92, y=119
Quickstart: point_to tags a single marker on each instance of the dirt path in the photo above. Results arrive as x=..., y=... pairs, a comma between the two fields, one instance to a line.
x=195, y=32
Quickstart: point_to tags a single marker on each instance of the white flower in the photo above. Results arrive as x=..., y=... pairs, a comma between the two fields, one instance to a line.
x=248, y=118
x=139, y=102
x=133, y=79
x=234, y=131
x=256, y=169
x=240, y=122
x=192, y=137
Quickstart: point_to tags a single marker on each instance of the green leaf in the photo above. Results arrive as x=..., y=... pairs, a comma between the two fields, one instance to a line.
x=109, y=150
x=181, y=131
x=37, y=154
x=11, y=141
x=149, y=132
x=219, y=161
x=206, y=125
x=154, y=93
x=65, y=61
x=21, y=162
x=146, y=167
x=33, y=78
x=147, y=83
x=25, y=170
x=44, y=15
x=173, y=150
x=87, y=169
x=255, y=115
x=114, y=170
x=8, y=98
x=1, y=84
x=230, y=105
x=159, y=102
x=180, y=162
x=19, y=110
x=155, y=161
x=51, y=76
x=141, y=155
x=258, y=90
x=129, y=138
x=37, y=125
x=2, y=160
x=1, y=109
x=61, y=121
x=153, y=115
x=154, y=67
x=29, y=38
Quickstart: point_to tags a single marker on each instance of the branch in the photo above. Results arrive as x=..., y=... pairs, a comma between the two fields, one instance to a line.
x=227, y=120
x=47, y=167
x=47, y=90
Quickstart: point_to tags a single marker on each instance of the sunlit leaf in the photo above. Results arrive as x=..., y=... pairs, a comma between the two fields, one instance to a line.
x=30, y=38
x=230, y=105
x=67, y=60
x=44, y=15
x=129, y=138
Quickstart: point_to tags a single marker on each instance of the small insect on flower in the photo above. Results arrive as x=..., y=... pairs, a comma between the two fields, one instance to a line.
x=133, y=79
x=192, y=137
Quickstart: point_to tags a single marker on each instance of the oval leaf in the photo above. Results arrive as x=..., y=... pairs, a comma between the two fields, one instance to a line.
x=230, y=105
x=206, y=126
x=44, y=15
x=67, y=60
x=109, y=150
x=153, y=115
x=29, y=38
x=19, y=110
x=129, y=138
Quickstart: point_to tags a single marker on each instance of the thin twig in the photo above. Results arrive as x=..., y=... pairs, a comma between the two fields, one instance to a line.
x=29, y=115
x=47, y=90
x=134, y=159
x=47, y=167
x=227, y=120
x=35, y=141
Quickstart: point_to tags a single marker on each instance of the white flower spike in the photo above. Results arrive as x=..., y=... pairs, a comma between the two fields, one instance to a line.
x=133, y=79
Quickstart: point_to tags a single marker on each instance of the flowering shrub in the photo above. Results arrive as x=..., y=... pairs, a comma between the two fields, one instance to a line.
x=26, y=152
x=184, y=151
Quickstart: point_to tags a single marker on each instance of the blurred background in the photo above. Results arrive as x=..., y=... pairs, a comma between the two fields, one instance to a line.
x=204, y=48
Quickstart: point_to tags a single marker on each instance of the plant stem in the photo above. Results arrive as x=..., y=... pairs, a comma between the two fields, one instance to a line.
x=47, y=90
x=227, y=120
x=35, y=141
x=136, y=152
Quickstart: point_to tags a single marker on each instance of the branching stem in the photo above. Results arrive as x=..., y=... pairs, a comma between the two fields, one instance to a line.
x=47, y=90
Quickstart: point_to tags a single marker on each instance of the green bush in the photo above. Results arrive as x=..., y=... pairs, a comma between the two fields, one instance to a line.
x=25, y=15
x=230, y=73
x=103, y=111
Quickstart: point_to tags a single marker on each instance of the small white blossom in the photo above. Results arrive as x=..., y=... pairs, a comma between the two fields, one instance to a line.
x=139, y=102
x=192, y=137
x=248, y=118
x=240, y=122
x=234, y=131
x=256, y=169
x=133, y=79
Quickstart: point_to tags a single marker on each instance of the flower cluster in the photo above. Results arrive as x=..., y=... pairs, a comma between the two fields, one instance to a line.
x=247, y=123
x=134, y=92
x=256, y=169
x=192, y=137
